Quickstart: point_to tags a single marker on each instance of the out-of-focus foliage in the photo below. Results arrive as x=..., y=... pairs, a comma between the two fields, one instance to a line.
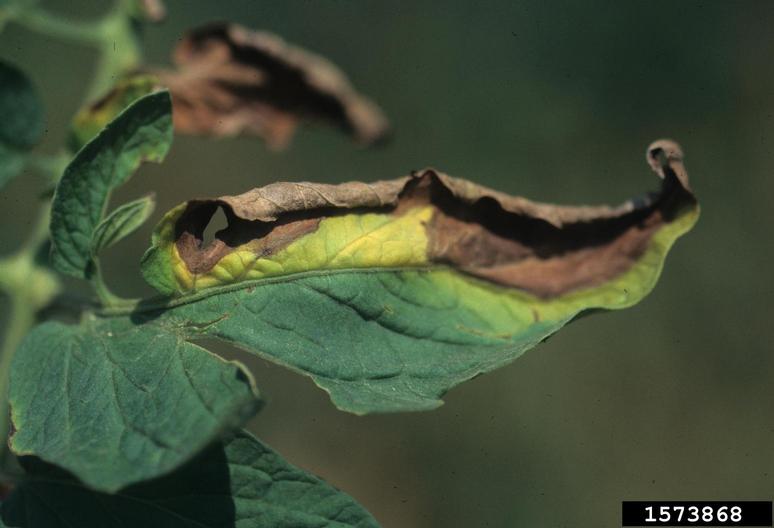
x=21, y=124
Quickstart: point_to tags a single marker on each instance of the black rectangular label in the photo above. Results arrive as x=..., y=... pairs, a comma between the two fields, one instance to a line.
x=678, y=513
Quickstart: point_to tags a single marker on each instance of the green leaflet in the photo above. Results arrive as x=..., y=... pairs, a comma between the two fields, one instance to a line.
x=119, y=403
x=239, y=482
x=122, y=222
x=21, y=124
x=143, y=132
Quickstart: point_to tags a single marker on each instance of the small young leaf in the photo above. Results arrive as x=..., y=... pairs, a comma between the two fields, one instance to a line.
x=21, y=120
x=142, y=132
x=121, y=223
x=389, y=294
x=231, y=80
x=116, y=403
x=239, y=482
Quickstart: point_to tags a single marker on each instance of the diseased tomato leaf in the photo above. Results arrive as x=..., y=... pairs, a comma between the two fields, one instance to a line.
x=388, y=294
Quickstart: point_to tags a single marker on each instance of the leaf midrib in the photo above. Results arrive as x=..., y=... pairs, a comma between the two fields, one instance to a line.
x=158, y=303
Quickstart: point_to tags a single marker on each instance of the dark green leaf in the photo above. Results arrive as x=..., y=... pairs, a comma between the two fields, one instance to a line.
x=143, y=132
x=122, y=222
x=116, y=403
x=21, y=120
x=240, y=482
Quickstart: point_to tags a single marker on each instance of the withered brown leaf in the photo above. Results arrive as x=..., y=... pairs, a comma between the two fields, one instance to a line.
x=230, y=80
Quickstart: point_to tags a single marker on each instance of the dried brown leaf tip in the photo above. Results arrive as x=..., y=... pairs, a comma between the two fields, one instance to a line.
x=230, y=80
x=426, y=220
x=150, y=10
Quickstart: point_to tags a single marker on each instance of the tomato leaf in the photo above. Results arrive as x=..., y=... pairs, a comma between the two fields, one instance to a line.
x=119, y=403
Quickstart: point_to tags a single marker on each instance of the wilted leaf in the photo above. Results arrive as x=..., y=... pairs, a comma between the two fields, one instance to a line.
x=389, y=294
x=230, y=80
x=143, y=132
x=21, y=120
x=117, y=403
x=240, y=482
x=122, y=222
x=90, y=120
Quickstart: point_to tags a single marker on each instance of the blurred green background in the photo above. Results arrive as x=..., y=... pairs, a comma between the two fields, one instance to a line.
x=554, y=101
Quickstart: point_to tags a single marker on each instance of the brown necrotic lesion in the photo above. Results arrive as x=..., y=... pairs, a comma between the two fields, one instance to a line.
x=547, y=250
x=263, y=238
x=533, y=254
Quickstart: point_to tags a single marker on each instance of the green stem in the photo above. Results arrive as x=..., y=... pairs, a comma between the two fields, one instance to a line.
x=41, y=21
x=112, y=35
x=107, y=298
x=50, y=165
